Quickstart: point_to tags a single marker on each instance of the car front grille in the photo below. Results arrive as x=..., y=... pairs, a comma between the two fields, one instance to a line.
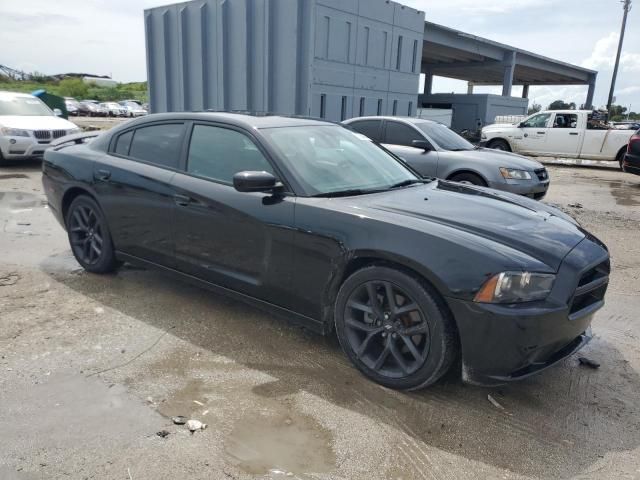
x=58, y=133
x=42, y=134
x=591, y=289
x=542, y=174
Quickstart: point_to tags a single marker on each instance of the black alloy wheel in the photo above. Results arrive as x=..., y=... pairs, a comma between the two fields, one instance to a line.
x=89, y=236
x=394, y=329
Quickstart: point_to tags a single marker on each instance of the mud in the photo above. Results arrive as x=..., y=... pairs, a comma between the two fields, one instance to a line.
x=281, y=402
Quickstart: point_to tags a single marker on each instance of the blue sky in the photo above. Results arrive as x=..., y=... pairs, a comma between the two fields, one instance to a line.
x=107, y=37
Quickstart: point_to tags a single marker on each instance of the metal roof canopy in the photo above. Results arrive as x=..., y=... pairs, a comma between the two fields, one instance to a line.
x=454, y=54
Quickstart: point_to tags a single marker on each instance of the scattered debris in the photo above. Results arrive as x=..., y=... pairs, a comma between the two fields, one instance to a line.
x=99, y=310
x=8, y=279
x=149, y=399
x=205, y=412
x=194, y=425
x=494, y=402
x=162, y=433
x=179, y=420
x=24, y=224
x=587, y=362
x=576, y=205
x=129, y=472
x=198, y=403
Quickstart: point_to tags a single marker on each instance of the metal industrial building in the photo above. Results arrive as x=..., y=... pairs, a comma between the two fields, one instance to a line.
x=334, y=59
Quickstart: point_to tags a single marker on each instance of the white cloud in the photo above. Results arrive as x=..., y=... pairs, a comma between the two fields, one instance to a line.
x=603, y=55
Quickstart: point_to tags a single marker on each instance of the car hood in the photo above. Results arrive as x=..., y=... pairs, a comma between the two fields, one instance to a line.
x=491, y=156
x=538, y=230
x=28, y=122
x=498, y=126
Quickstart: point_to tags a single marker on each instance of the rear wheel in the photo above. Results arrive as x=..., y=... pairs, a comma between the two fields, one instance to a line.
x=469, y=179
x=89, y=236
x=499, y=145
x=395, y=329
x=620, y=157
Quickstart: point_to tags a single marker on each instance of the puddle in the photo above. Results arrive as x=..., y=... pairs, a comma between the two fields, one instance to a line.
x=625, y=193
x=280, y=445
x=20, y=201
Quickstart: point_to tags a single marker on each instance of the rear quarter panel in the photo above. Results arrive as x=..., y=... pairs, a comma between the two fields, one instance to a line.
x=604, y=144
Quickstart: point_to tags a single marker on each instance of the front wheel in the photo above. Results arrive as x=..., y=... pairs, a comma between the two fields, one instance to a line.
x=499, y=145
x=469, y=179
x=89, y=236
x=394, y=328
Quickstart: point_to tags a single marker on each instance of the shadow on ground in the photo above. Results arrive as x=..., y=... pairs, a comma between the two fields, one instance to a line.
x=561, y=421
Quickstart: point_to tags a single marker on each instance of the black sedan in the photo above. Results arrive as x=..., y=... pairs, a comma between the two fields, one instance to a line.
x=316, y=222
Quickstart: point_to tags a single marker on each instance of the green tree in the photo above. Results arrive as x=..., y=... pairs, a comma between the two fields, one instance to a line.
x=562, y=105
x=73, y=87
x=535, y=108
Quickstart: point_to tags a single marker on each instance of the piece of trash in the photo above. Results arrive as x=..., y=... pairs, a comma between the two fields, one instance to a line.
x=162, y=434
x=194, y=425
x=205, y=412
x=24, y=224
x=149, y=399
x=99, y=310
x=198, y=403
x=179, y=420
x=576, y=205
x=587, y=362
x=494, y=402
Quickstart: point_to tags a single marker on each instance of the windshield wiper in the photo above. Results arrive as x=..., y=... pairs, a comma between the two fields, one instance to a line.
x=406, y=183
x=345, y=193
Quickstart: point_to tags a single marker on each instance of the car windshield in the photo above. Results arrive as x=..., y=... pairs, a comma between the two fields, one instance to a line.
x=331, y=160
x=444, y=137
x=24, y=106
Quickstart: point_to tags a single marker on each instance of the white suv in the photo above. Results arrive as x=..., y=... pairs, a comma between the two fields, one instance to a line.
x=27, y=126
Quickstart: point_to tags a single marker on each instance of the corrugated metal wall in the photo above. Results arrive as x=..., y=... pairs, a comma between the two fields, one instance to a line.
x=331, y=58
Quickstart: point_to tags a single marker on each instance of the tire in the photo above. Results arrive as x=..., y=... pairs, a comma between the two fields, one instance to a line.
x=89, y=236
x=3, y=162
x=469, y=178
x=404, y=351
x=620, y=157
x=499, y=145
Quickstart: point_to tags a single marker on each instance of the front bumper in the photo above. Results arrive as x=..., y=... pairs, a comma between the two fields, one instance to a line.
x=21, y=148
x=533, y=188
x=504, y=343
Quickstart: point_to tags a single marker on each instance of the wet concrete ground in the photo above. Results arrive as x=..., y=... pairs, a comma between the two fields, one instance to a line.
x=91, y=367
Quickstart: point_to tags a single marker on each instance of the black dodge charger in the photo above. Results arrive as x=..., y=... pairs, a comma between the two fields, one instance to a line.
x=316, y=222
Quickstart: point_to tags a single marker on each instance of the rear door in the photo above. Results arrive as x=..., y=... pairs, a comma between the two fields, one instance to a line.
x=372, y=128
x=133, y=184
x=398, y=136
x=532, y=137
x=564, y=137
x=235, y=239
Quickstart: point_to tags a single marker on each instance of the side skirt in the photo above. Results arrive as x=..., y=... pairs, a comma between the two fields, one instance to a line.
x=302, y=320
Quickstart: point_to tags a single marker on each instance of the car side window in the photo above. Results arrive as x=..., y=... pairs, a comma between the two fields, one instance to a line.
x=158, y=144
x=369, y=128
x=400, y=134
x=565, y=120
x=537, y=121
x=123, y=143
x=219, y=153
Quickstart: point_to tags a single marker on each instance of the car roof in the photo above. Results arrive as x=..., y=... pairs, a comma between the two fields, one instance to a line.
x=9, y=95
x=412, y=120
x=244, y=120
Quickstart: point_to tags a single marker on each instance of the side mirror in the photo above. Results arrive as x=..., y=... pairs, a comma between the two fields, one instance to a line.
x=422, y=144
x=57, y=112
x=254, y=182
x=521, y=125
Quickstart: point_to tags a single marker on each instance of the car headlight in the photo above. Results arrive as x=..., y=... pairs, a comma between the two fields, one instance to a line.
x=14, y=132
x=515, y=287
x=514, y=174
x=73, y=131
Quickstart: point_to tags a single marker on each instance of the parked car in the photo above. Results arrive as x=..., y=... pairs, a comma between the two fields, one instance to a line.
x=134, y=109
x=27, y=126
x=626, y=125
x=631, y=163
x=114, y=109
x=562, y=133
x=436, y=151
x=94, y=108
x=316, y=222
x=72, y=105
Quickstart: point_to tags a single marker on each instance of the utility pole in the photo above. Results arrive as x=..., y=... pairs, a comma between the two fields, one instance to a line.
x=626, y=5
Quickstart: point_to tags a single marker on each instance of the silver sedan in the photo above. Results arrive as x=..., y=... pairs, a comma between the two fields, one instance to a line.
x=436, y=151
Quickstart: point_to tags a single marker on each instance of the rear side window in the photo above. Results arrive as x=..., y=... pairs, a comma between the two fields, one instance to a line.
x=219, y=153
x=370, y=128
x=401, y=134
x=123, y=143
x=159, y=144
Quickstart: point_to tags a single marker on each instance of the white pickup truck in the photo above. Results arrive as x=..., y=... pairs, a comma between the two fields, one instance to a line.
x=561, y=133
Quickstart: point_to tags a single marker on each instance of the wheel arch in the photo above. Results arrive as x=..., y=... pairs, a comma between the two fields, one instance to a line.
x=70, y=195
x=621, y=153
x=467, y=170
x=502, y=139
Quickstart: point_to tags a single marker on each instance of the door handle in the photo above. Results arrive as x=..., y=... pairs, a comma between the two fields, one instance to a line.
x=541, y=133
x=573, y=133
x=182, y=200
x=102, y=175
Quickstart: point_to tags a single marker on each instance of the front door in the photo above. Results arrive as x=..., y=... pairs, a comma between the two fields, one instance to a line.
x=532, y=135
x=398, y=137
x=564, y=138
x=234, y=239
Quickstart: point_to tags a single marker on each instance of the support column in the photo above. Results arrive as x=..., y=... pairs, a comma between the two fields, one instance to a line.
x=428, y=82
x=470, y=88
x=592, y=87
x=509, y=63
x=525, y=91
